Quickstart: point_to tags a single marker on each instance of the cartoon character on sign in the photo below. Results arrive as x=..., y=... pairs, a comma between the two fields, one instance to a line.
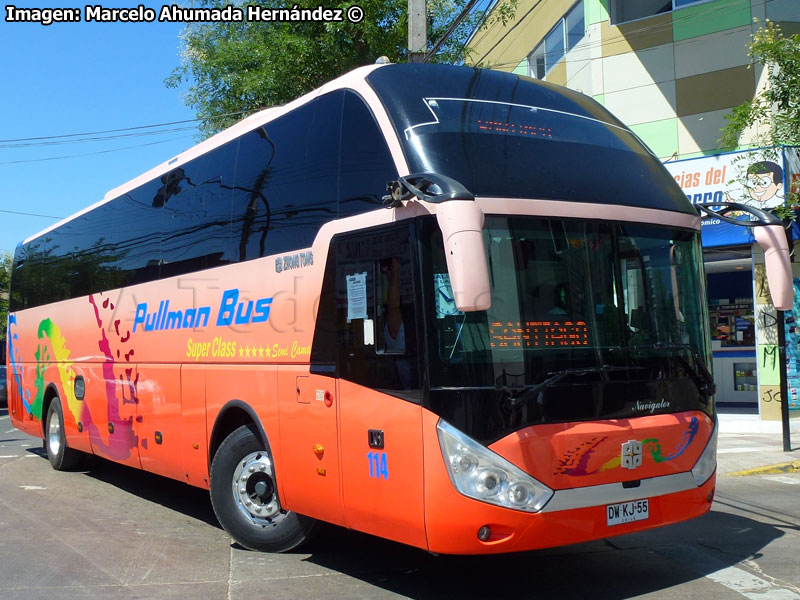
x=764, y=181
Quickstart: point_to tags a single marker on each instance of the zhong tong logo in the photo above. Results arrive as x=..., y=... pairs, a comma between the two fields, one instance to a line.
x=631, y=455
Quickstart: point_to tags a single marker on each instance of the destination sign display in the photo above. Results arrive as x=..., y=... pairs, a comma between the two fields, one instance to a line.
x=538, y=334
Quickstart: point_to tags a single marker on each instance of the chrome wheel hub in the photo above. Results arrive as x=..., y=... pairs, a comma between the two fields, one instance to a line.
x=54, y=434
x=253, y=489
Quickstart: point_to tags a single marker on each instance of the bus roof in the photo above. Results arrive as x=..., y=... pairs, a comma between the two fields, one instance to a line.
x=395, y=84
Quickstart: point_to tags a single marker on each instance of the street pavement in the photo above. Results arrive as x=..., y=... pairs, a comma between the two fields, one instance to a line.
x=741, y=451
x=115, y=532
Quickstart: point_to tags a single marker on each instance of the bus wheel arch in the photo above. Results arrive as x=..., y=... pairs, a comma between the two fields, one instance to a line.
x=243, y=488
x=230, y=417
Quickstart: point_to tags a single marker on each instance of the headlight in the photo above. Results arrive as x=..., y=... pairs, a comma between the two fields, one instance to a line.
x=479, y=473
x=707, y=463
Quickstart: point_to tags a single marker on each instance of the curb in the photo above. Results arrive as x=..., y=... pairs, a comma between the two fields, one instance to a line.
x=789, y=467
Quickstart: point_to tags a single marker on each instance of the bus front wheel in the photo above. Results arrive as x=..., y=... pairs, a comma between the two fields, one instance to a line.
x=61, y=457
x=245, y=497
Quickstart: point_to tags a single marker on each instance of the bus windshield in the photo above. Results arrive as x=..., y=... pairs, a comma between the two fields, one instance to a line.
x=511, y=137
x=569, y=294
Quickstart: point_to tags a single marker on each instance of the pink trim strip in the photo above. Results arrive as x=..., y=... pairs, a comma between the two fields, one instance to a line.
x=586, y=210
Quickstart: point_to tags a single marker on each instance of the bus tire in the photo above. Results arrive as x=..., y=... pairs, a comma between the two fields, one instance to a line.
x=245, y=498
x=61, y=456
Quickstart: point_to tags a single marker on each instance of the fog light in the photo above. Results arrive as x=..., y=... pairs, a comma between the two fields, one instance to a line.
x=484, y=533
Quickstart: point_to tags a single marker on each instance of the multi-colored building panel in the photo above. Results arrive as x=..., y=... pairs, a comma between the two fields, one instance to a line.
x=670, y=76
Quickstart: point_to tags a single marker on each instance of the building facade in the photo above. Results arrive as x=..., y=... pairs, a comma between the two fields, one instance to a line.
x=671, y=70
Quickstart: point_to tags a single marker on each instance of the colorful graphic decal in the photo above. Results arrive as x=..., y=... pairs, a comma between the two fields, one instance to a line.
x=112, y=434
x=119, y=443
x=16, y=363
x=576, y=461
x=654, y=446
x=52, y=348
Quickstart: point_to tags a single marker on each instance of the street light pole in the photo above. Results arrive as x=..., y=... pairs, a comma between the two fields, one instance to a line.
x=417, y=30
x=787, y=441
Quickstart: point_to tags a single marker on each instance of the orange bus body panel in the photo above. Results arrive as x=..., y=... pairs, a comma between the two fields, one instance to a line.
x=453, y=520
x=572, y=455
x=194, y=434
x=254, y=386
x=383, y=487
x=159, y=421
x=309, y=468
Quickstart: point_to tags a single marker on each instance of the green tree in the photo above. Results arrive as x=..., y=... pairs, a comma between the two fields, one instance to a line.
x=5, y=278
x=775, y=110
x=234, y=69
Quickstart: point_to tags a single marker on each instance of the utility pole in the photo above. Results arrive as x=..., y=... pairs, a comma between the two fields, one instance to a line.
x=417, y=30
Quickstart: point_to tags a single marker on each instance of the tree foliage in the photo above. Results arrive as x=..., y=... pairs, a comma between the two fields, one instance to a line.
x=236, y=68
x=776, y=109
x=6, y=261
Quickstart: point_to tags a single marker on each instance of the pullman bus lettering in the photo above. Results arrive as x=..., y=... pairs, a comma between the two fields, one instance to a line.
x=231, y=311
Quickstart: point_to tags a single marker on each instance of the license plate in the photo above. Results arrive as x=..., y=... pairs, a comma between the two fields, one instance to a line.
x=628, y=512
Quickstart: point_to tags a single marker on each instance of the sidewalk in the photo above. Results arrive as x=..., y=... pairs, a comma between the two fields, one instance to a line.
x=747, y=443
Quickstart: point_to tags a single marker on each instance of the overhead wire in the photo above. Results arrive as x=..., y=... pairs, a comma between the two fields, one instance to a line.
x=60, y=142
x=27, y=214
x=34, y=160
x=101, y=132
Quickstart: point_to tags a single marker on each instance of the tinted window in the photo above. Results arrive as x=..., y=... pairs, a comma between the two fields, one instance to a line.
x=23, y=284
x=513, y=156
x=367, y=312
x=628, y=10
x=81, y=254
x=536, y=62
x=286, y=180
x=554, y=46
x=366, y=164
x=195, y=202
x=265, y=193
x=575, y=25
x=136, y=235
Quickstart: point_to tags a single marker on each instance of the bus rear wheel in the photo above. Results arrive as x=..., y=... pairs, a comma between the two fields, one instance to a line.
x=61, y=457
x=245, y=497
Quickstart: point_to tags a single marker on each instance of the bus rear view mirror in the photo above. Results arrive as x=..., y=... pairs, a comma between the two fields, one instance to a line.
x=771, y=238
x=461, y=222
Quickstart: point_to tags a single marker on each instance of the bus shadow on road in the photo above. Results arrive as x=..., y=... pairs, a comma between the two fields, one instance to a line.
x=174, y=495
x=620, y=567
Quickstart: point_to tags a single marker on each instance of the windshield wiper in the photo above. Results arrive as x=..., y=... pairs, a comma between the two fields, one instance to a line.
x=531, y=391
x=702, y=380
x=698, y=372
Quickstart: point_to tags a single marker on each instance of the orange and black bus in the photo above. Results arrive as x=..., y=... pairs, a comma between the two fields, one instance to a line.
x=504, y=348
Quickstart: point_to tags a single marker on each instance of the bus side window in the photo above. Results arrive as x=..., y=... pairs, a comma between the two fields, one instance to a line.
x=286, y=180
x=195, y=207
x=366, y=317
x=365, y=162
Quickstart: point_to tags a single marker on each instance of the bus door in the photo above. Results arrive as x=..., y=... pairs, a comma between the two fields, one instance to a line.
x=309, y=450
x=378, y=393
x=112, y=411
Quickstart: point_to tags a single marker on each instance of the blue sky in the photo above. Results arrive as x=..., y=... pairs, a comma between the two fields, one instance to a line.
x=81, y=77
